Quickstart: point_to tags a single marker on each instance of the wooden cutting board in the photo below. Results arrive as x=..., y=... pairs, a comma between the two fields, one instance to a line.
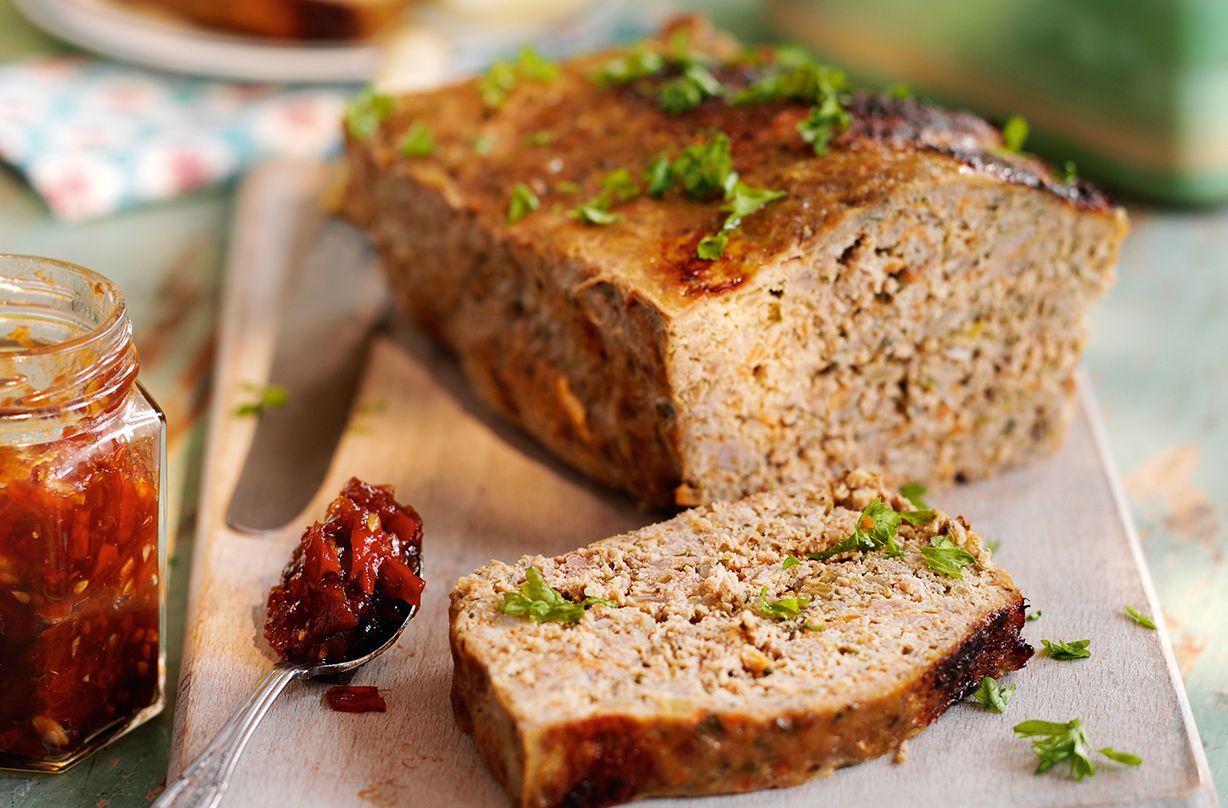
x=485, y=491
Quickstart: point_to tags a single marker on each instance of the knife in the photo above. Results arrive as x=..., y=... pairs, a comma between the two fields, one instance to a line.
x=332, y=303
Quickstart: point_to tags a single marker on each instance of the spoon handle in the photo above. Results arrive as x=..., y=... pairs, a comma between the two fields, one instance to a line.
x=204, y=781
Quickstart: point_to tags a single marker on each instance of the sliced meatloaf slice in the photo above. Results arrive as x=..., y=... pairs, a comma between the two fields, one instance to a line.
x=703, y=677
x=914, y=302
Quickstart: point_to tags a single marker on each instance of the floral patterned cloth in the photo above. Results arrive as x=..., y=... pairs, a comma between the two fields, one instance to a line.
x=94, y=137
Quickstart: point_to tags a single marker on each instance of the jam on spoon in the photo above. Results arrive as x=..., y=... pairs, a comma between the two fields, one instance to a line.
x=351, y=581
x=352, y=585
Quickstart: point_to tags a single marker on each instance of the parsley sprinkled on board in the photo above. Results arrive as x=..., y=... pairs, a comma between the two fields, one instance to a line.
x=1031, y=617
x=946, y=557
x=790, y=561
x=993, y=696
x=875, y=529
x=366, y=112
x=538, y=602
x=1015, y=133
x=992, y=545
x=1140, y=618
x=783, y=609
x=1075, y=649
x=269, y=397
x=1055, y=742
x=915, y=493
x=521, y=203
x=418, y=141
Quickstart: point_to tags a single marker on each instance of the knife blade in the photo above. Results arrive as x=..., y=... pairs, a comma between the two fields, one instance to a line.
x=333, y=301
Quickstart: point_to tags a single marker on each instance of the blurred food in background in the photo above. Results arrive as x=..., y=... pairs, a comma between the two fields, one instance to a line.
x=1134, y=91
x=286, y=19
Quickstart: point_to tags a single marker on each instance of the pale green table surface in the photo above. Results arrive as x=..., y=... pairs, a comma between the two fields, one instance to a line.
x=1158, y=359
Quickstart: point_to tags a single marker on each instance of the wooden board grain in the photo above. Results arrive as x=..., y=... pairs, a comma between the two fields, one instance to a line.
x=487, y=492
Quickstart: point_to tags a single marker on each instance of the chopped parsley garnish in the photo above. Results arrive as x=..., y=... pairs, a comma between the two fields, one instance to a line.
x=783, y=609
x=992, y=545
x=522, y=202
x=1032, y=616
x=790, y=561
x=1075, y=649
x=686, y=92
x=899, y=90
x=797, y=77
x=418, y=141
x=705, y=170
x=543, y=137
x=712, y=247
x=1015, y=133
x=567, y=187
x=917, y=517
x=659, y=176
x=915, y=493
x=366, y=112
x=1140, y=618
x=875, y=529
x=483, y=144
x=1068, y=172
x=538, y=602
x=535, y=67
x=269, y=397
x=637, y=63
x=497, y=84
x=827, y=120
x=993, y=696
x=503, y=76
x=946, y=557
x=617, y=187
x=1055, y=742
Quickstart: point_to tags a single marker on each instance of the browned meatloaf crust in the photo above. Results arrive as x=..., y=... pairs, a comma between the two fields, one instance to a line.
x=687, y=688
x=915, y=303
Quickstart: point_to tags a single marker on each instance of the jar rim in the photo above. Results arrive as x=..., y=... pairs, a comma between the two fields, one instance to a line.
x=102, y=284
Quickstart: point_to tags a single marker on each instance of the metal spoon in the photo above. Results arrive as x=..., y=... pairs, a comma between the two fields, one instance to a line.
x=204, y=781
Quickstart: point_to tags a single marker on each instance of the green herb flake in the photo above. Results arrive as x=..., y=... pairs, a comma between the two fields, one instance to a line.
x=1140, y=618
x=946, y=557
x=783, y=609
x=483, y=145
x=637, y=63
x=1015, y=133
x=538, y=602
x=813, y=626
x=418, y=141
x=590, y=214
x=790, y=561
x=992, y=545
x=365, y=113
x=875, y=529
x=712, y=247
x=269, y=397
x=543, y=137
x=1055, y=742
x=658, y=176
x=1075, y=649
x=1032, y=617
x=993, y=696
x=535, y=67
x=705, y=170
x=496, y=86
x=825, y=122
x=521, y=203
x=915, y=493
x=745, y=200
x=899, y=90
x=917, y=517
x=567, y=187
x=798, y=77
x=686, y=92
x=1067, y=173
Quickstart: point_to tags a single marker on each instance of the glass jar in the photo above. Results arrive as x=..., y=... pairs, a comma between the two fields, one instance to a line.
x=82, y=519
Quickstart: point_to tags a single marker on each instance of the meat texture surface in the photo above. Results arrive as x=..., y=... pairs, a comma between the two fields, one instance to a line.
x=914, y=301
x=697, y=680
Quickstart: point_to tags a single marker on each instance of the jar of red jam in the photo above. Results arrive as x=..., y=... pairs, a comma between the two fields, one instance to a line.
x=82, y=516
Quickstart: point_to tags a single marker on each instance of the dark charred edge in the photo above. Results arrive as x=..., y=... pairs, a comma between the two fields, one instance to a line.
x=962, y=136
x=606, y=762
x=994, y=648
x=327, y=19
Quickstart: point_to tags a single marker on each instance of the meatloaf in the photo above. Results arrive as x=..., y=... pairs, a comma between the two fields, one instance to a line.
x=912, y=299
x=716, y=663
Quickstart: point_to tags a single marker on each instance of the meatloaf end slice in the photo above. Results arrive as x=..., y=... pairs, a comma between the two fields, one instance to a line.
x=916, y=302
x=688, y=687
